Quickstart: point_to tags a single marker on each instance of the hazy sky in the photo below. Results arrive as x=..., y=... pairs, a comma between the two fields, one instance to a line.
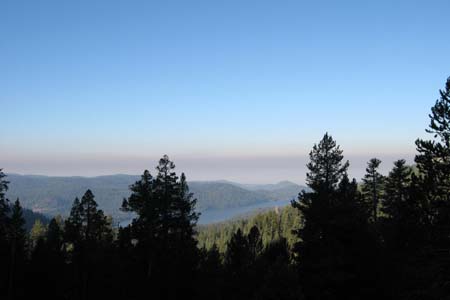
x=235, y=90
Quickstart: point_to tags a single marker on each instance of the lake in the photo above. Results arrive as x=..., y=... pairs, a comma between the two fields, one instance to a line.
x=219, y=215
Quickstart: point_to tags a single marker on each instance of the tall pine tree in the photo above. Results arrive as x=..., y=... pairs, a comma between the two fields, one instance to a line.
x=164, y=224
x=433, y=162
x=335, y=251
x=17, y=240
x=373, y=187
x=4, y=228
x=89, y=232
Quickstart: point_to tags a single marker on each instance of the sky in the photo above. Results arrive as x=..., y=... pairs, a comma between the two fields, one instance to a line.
x=237, y=90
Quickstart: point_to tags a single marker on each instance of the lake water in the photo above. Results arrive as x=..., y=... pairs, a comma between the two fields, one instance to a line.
x=220, y=215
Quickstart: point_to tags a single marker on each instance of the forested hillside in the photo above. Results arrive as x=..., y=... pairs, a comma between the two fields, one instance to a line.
x=273, y=225
x=54, y=195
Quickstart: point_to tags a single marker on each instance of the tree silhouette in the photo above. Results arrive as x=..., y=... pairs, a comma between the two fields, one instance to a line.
x=397, y=189
x=17, y=239
x=164, y=224
x=335, y=249
x=89, y=232
x=4, y=228
x=433, y=161
x=373, y=186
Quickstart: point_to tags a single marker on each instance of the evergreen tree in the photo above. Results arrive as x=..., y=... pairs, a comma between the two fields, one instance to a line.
x=4, y=205
x=254, y=243
x=397, y=189
x=405, y=234
x=237, y=256
x=164, y=224
x=86, y=223
x=73, y=224
x=433, y=162
x=54, y=237
x=373, y=187
x=17, y=233
x=90, y=233
x=326, y=168
x=335, y=248
x=17, y=240
x=96, y=224
x=4, y=228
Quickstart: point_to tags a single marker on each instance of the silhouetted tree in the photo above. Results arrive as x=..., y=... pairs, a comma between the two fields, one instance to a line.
x=54, y=237
x=17, y=240
x=89, y=232
x=397, y=189
x=373, y=186
x=74, y=224
x=164, y=224
x=237, y=256
x=254, y=243
x=4, y=228
x=335, y=248
x=433, y=162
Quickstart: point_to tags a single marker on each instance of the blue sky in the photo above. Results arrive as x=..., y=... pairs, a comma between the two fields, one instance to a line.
x=229, y=89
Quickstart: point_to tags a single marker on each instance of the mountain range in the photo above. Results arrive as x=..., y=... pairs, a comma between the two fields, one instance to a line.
x=54, y=195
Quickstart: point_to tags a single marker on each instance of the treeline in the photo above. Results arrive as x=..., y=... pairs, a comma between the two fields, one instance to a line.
x=389, y=239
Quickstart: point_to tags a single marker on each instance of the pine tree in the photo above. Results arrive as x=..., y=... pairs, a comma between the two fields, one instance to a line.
x=4, y=205
x=405, y=233
x=237, y=256
x=373, y=187
x=74, y=224
x=397, y=189
x=90, y=233
x=254, y=243
x=17, y=240
x=54, y=237
x=164, y=224
x=86, y=223
x=326, y=168
x=433, y=162
x=17, y=233
x=4, y=228
x=96, y=224
x=335, y=248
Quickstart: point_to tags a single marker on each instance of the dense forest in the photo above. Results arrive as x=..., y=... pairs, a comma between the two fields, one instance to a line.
x=272, y=224
x=385, y=238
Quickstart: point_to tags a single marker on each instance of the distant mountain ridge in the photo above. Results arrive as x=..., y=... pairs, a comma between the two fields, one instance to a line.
x=54, y=195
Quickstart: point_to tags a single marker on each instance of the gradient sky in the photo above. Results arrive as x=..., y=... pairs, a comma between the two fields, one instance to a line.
x=237, y=90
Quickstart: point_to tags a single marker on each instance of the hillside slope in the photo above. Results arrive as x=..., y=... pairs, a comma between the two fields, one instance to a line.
x=54, y=195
